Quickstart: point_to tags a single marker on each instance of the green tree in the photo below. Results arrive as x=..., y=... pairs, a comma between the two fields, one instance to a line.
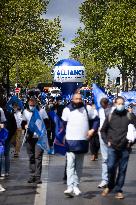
x=108, y=37
x=117, y=37
x=86, y=41
x=24, y=33
x=29, y=70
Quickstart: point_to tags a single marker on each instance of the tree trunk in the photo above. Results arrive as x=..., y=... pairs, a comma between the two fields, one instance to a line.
x=8, y=83
x=134, y=79
x=123, y=80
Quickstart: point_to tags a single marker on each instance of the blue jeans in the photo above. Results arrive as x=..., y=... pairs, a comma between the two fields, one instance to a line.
x=1, y=159
x=74, y=168
x=5, y=158
x=117, y=167
x=104, y=153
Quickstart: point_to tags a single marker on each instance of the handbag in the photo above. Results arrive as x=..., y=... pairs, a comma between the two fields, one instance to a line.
x=131, y=134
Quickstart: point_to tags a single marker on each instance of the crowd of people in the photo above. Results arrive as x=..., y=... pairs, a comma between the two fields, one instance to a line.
x=106, y=130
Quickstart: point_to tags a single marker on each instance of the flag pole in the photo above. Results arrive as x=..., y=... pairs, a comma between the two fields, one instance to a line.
x=24, y=139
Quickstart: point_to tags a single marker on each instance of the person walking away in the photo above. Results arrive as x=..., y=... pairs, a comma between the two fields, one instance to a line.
x=115, y=129
x=75, y=119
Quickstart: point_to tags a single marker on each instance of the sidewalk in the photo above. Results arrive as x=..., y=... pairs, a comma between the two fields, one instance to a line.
x=19, y=192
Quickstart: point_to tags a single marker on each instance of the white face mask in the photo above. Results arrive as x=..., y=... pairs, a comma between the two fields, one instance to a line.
x=120, y=108
x=60, y=103
x=31, y=108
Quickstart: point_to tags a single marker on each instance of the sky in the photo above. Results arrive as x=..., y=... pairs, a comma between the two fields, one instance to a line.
x=68, y=11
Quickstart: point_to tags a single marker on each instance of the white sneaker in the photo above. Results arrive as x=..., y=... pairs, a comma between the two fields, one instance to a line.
x=69, y=192
x=2, y=189
x=76, y=191
x=2, y=176
x=103, y=184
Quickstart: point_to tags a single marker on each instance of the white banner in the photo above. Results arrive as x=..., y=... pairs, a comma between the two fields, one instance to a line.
x=69, y=74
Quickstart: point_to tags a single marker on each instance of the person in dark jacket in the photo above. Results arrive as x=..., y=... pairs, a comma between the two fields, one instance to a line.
x=115, y=129
x=11, y=126
x=94, y=141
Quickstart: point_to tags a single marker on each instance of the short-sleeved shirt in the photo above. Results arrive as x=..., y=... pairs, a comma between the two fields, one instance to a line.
x=77, y=122
x=18, y=117
x=27, y=115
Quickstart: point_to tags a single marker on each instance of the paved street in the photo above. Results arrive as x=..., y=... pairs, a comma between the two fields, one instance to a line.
x=51, y=191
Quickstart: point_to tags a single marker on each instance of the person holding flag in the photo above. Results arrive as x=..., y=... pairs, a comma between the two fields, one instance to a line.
x=33, y=121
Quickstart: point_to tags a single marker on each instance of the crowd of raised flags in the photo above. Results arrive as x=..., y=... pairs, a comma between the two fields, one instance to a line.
x=130, y=96
x=37, y=125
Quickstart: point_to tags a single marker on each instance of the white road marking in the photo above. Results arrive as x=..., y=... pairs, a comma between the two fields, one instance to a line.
x=40, y=197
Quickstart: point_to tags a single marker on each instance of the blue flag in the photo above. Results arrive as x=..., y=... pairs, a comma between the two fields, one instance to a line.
x=43, y=98
x=98, y=95
x=14, y=99
x=3, y=136
x=36, y=125
x=59, y=144
x=130, y=97
x=1, y=149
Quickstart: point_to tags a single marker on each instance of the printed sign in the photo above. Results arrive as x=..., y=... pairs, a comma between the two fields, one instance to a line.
x=69, y=74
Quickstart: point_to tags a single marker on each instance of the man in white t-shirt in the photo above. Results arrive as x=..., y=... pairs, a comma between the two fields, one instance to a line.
x=75, y=117
x=35, y=153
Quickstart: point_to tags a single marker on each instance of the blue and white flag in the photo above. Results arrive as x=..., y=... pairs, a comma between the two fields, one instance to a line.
x=43, y=98
x=59, y=142
x=14, y=99
x=130, y=97
x=36, y=125
x=1, y=149
x=3, y=136
x=98, y=95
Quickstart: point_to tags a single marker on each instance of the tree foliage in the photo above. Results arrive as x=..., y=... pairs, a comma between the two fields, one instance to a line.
x=108, y=35
x=30, y=71
x=24, y=34
x=117, y=37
